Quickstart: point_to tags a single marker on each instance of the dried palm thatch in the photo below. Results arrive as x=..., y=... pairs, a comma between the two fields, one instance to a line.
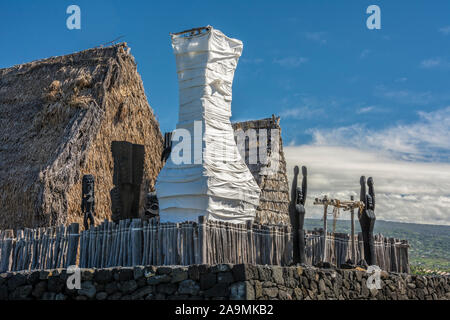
x=58, y=117
x=274, y=201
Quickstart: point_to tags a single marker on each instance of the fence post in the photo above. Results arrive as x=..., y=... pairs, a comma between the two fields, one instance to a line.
x=250, y=242
x=324, y=257
x=202, y=239
x=406, y=257
x=73, y=244
x=136, y=240
x=6, y=246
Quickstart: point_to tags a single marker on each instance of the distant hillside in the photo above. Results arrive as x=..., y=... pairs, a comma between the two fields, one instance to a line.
x=430, y=244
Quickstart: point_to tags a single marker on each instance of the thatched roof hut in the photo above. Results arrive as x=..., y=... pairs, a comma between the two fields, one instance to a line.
x=274, y=201
x=58, y=117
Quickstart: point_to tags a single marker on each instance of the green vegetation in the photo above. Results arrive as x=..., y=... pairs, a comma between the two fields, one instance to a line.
x=429, y=244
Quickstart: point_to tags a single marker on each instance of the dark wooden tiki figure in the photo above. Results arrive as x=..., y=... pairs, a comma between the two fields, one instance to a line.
x=367, y=220
x=151, y=205
x=297, y=215
x=88, y=200
x=127, y=179
x=167, y=148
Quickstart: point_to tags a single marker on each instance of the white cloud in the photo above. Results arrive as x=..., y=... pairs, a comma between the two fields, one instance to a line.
x=405, y=96
x=252, y=60
x=402, y=79
x=434, y=63
x=354, y=79
x=405, y=191
x=364, y=53
x=427, y=139
x=303, y=112
x=445, y=30
x=291, y=62
x=430, y=63
x=365, y=110
x=316, y=37
x=411, y=184
x=303, y=105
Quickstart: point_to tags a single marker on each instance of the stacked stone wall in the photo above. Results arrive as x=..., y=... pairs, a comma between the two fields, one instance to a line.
x=220, y=282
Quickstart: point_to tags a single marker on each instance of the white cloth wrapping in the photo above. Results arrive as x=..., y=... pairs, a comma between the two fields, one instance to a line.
x=207, y=185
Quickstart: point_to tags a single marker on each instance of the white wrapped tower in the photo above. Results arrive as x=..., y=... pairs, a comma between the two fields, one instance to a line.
x=208, y=178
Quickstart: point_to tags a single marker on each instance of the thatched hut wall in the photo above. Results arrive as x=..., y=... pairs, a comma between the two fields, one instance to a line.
x=58, y=117
x=274, y=200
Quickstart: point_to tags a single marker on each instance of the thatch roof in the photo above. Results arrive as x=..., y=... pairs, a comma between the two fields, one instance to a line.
x=58, y=117
x=274, y=201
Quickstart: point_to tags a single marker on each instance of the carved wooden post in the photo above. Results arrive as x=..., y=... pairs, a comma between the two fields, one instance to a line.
x=88, y=200
x=324, y=257
x=353, y=231
x=300, y=208
x=297, y=216
x=293, y=216
x=167, y=148
x=367, y=219
x=127, y=179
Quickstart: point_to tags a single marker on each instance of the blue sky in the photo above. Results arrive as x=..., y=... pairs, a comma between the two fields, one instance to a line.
x=335, y=83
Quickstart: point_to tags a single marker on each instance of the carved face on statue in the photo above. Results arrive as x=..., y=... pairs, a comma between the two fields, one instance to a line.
x=88, y=185
x=90, y=189
x=151, y=205
x=299, y=198
x=369, y=202
x=88, y=193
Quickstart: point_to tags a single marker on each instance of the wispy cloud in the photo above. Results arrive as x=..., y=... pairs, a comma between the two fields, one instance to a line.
x=434, y=63
x=354, y=79
x=426, y=140
x=401, y=79
x=405, y=191
x=365, y=110
x=290, y=62
x=299, y=113
x=364, y=53
x=304, y=106
x=445, y=30
x=318, y=37
x=252, y=60
x=404, y=96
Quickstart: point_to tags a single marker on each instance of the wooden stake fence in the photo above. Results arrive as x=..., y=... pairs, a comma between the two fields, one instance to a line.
x=42, y=248
x=392, y=254
x=148, y=242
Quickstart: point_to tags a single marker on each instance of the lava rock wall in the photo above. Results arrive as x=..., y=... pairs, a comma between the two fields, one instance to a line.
x=220, y=282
